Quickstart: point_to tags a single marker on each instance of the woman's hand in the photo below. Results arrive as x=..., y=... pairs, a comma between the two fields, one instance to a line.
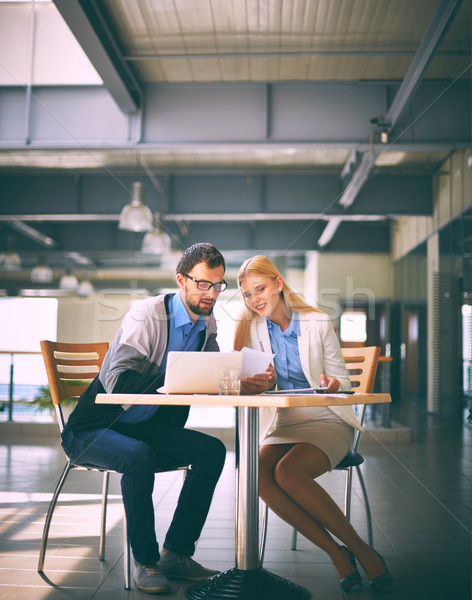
x=259, y=383
x=331, y=383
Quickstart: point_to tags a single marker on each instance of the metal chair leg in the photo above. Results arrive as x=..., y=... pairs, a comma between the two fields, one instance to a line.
x=47, y=522
x=262, y=544
x=348, y=493
x=103, y=525
x=368, y=514
x=126, y=555
x=294, y=539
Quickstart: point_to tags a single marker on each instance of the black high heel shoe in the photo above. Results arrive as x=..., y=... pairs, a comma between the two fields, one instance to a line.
x=354, y=579
x=383, y=582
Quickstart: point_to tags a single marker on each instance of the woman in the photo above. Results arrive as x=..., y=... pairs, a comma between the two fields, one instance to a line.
x=300, y=444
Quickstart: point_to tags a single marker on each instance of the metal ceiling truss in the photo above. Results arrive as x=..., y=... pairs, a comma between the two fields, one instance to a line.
x=229, y=117
x=86, y=21
x=438, y=28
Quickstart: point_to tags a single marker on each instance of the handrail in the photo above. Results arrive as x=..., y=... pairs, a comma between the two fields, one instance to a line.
x=19, y=352
x=12, y=369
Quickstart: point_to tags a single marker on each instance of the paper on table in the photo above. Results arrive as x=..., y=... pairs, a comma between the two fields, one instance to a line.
x=254, y=362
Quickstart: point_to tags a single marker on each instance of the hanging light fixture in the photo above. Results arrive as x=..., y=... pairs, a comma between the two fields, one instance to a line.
x=156, y=241
x=68, y=281
x=42, y=272
x=10, y=260
x=85, y=288
x=136, y=216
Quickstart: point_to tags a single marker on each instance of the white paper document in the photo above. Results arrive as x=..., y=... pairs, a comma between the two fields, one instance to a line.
x=255, y=362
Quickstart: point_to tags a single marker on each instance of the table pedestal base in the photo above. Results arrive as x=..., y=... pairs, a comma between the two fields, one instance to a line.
x=254, y=584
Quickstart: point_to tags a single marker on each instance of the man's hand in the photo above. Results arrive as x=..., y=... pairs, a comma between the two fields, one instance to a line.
x=259, y=383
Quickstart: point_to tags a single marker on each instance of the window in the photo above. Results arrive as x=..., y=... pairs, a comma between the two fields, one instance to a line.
x=25, y=321
x=353, y=326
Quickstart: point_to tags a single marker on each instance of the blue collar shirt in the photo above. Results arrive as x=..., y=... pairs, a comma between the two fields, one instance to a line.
x=182, y=335
x=287, y=363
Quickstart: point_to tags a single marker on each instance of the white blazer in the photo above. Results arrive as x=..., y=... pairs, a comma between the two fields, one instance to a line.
x=319, y=352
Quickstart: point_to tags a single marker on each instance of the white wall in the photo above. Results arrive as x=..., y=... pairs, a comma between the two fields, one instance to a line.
x=348, y=276
x=452, y=194
x=58, y=57
x=327, y=280
x=94, y=319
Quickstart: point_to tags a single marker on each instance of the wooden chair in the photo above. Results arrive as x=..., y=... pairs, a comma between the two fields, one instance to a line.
x=361, y=364
x=70, y=369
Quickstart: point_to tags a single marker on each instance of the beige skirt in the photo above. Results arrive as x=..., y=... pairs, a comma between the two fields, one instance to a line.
x=314, y=425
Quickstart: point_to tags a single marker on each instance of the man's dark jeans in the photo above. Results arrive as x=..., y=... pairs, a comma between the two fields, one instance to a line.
x=139, y=451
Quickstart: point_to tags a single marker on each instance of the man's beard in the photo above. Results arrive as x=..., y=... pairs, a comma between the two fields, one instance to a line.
x=199, y=310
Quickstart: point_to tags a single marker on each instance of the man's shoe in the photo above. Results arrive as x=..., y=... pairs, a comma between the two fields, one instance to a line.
x=149, y=579
x=176, y=566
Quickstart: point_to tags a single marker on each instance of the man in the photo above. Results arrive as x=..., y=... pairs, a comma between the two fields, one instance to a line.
x=138, y=441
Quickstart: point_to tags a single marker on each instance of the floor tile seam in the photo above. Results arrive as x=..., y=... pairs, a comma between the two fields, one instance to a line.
x=58, y=556
x=33, y=572
x=45, y=586
x=409, y=501
x=108, y=574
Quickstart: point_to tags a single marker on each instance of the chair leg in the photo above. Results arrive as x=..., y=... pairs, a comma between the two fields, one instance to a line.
x=368, y=514
x=126, y=555
x=47, y=522
x=348, y=493
x=294, y=538
x=265, y=516
x=103, y=525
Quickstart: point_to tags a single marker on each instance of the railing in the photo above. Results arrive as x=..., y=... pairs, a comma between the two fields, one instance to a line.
x=12, y=354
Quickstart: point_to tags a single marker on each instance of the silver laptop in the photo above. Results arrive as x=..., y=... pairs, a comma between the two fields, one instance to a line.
x=197, y=372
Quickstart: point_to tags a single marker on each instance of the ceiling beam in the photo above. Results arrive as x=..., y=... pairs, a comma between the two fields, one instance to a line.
x=280, y=54
x=438, y=28
x=190, y=217
x=91, y=30
x=435, y=34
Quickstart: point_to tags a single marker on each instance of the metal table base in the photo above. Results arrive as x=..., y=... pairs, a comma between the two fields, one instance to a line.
x=247, y=581
x=239, y=584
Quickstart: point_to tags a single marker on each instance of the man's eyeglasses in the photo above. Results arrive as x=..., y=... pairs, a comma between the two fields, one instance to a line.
x=204, y=286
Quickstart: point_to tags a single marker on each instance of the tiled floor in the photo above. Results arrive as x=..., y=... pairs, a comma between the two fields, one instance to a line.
x=420, y=495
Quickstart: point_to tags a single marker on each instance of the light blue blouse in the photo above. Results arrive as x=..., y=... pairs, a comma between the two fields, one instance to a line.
x=287, y=363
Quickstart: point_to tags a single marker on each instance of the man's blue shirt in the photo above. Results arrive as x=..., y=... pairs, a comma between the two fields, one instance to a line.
x=183, y=335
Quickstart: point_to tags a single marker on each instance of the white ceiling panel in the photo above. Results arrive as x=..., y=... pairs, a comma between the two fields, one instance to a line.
x=348, y=39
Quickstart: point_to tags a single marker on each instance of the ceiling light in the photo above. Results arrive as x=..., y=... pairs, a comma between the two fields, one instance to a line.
x=41, y=273
x=135, y=216
x=156, y=241
x=85, y=289
x=68, y=281
x=10, y=260
x=329, y=231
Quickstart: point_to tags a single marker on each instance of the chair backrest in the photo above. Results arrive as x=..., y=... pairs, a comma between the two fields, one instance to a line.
x=361, y=364
x=70, y=369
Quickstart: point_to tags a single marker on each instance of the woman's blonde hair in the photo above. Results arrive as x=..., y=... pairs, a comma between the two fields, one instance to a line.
x=263, y=266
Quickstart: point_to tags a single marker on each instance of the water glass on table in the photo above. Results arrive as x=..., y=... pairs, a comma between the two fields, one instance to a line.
x=228, y=382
